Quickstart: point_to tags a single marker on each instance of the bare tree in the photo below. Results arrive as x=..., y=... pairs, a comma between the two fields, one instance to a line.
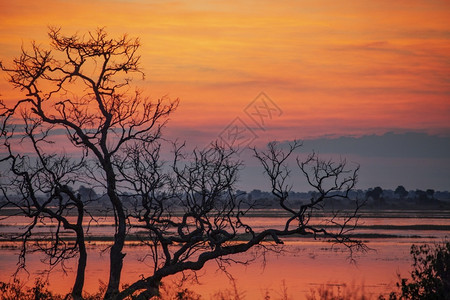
x=39, y=188
x=210, y=220
x=330, y=180
x=186, y=210
x=84, y=89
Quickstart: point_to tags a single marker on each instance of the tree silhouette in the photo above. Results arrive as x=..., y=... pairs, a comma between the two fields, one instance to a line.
x=84, y=90
x=40, y=190
x=421, y=196
x=186, y=211
x=213, y=222
x=375, y=194
x=430, y=277
x=430, y=193
x=401, y=192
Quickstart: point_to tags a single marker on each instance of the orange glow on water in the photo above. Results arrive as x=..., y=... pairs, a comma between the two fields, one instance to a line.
x=301, y=264
x=301, y=267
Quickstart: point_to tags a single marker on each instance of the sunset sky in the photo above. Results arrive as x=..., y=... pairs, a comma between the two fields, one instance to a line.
x=330, y=68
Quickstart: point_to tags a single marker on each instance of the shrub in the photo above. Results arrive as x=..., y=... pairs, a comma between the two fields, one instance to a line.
x=430, y=278
x=17, y=290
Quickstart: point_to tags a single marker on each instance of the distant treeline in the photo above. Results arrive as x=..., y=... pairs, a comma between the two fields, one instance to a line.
x=373, y=198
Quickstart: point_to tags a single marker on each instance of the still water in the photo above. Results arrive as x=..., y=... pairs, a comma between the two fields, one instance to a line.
x=298, y=267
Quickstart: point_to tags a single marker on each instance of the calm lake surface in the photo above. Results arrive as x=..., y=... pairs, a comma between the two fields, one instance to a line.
x=300, y=265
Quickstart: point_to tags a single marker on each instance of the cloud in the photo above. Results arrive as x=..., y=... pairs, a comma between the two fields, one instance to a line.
x=388, y=145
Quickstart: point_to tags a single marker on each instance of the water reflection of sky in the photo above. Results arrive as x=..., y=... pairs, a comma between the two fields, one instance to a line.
x=395, y=223
x=303, y=263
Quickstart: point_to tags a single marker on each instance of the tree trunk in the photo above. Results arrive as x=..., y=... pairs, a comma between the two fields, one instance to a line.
x=116, y=263
x=82, y=261
x=116, y=255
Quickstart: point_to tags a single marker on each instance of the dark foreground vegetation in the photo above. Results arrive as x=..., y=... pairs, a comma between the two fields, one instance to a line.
x=429, y=280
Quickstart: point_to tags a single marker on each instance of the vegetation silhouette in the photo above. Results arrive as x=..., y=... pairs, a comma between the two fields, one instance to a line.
x=430, y=277
x=185, y=210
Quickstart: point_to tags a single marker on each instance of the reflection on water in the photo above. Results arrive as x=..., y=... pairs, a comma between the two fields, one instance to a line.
x=303, y=263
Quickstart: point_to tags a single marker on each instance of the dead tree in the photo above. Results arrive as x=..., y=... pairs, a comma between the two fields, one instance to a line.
x=39, y=188
x=82, y=87
x=186, y=210
x=330, y=180
x=192, y=214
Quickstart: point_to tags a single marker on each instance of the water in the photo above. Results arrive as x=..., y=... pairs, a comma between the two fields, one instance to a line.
x=300, y=265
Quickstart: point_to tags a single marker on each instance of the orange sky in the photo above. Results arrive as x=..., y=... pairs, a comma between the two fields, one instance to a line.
x=332, y=68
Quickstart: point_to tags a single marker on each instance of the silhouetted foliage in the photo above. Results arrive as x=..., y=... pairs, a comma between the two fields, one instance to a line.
x=401, y=192
x=375, y=193
x=17, y=290
x=421, y=196
x=430, y=278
